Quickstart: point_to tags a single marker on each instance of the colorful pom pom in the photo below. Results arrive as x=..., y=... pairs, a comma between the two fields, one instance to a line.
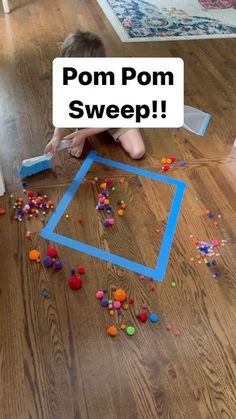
x=104, y=302
x=153, y=317
x=81, y=269
x=99, y=294
x=165, y=167
x=117, y=304
x=47, y=261
x=120, y=212
x=34, y=255
x=52, y=252
x=75, y=282
x=112, y=331
x=57, y=265
x=120, y=295
x=109, y=181
x=130, y=330
x=143, y=316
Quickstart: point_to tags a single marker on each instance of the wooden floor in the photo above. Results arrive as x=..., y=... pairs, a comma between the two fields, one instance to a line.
x=56, y=359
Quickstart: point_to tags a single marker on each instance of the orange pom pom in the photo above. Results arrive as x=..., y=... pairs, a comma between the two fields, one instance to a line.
x=123, y=206
x=123, y=326
x=111, y=312
x=125, y=306
x=120, y=212
x=120, y=295
x=106, y=202
x=163, y=160
x=112, y=331
x=103, y=185
x=34, y=255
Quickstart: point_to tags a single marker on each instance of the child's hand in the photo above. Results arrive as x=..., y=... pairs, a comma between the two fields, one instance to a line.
x=58, y=135
x=51, y=147
x=77, y=139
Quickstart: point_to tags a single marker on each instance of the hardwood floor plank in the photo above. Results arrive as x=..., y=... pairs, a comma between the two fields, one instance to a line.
x=56, y=360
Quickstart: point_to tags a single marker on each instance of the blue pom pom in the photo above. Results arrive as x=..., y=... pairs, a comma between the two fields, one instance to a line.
x=101, y=206
x=153, y=317
x=104, y=302
x=45, y=293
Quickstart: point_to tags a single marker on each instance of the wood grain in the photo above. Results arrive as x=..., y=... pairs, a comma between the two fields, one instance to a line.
x=56, y=360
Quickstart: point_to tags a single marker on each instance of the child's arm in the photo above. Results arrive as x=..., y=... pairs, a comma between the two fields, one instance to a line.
x=81, y=135
x=76, y=137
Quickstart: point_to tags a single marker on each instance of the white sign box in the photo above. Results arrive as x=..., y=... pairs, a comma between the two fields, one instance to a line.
x=118, y=92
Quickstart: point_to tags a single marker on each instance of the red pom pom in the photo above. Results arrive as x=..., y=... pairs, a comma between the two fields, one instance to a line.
x=143, y=316
x=81, y=270
x=109, y=181
x=52, y=252
x=172, y=158
x=131, y=301
x=30, y=194
x=75, y=282
x=165, y=167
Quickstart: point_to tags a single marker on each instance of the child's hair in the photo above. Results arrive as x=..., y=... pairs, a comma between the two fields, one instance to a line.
x=83, y=44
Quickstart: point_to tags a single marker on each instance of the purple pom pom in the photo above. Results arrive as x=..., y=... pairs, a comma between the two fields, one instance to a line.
x=57, y=265
x=47, y=261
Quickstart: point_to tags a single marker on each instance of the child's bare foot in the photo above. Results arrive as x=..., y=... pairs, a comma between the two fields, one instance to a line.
x=77, y=151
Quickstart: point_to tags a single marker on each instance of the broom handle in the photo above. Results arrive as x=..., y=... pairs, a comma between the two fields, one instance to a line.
x=64, y=144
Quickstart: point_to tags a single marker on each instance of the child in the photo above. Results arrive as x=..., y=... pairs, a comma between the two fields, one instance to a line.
x=87, y=44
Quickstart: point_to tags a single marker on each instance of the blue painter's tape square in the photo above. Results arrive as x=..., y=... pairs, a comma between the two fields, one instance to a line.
x=159, y=272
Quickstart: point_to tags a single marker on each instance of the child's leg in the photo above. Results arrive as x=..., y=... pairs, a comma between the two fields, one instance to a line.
x=132, y=142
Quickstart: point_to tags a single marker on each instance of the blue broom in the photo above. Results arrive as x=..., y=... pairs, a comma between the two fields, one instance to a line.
x=38, y=164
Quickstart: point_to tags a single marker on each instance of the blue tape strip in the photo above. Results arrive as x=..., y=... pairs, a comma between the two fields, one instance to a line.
x=63, y=204
x=138, y=171
x=98, y=253
x=205, y=125
x=159, y=272
x=170, y=230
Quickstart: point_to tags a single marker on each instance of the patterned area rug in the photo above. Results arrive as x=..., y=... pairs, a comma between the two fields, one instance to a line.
x=167, y=20
x=218, y=4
